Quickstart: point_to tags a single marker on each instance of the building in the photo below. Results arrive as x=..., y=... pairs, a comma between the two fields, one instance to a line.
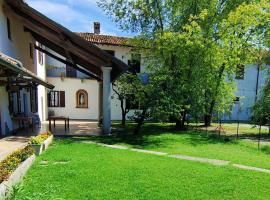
x=249, y=82
x=25, y=37
x=75, y=84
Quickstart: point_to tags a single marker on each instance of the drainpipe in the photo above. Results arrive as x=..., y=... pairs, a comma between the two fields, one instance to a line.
x=257, y=82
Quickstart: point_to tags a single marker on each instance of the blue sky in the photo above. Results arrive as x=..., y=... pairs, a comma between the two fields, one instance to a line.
x=77, y=15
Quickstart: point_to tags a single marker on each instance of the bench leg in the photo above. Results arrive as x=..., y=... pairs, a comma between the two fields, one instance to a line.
x=50, y=125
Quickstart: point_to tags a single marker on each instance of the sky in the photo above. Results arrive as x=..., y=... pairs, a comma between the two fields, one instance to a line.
x=77, y=15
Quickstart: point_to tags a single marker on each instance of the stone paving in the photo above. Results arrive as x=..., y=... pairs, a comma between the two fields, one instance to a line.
x=183, y=157
x=11, y=144
x=251, y=168
x=199, y=159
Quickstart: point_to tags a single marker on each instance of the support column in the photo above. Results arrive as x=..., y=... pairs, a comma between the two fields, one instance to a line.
x=100, y=103
x=106, y=100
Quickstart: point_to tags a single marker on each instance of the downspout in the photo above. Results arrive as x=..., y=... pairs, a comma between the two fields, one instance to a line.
x=257, y=83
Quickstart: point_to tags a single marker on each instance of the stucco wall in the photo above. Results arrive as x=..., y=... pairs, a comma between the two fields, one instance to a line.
x=19, y=48
x=42, y=91
x=71, y=86
x=246, y=90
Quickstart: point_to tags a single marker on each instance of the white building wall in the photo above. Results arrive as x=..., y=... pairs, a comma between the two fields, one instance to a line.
x=246, y=91
x=42, y=91
x=71, y=86
x=19, y=48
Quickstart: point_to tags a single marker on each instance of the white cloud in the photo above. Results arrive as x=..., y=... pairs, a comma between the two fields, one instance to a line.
x=71, y=14
x=63, y=14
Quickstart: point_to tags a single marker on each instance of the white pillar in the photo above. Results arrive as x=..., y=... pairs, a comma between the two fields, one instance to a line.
x=106, y=100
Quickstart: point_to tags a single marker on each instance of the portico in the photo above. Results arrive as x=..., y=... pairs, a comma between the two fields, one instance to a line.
x=74, y=52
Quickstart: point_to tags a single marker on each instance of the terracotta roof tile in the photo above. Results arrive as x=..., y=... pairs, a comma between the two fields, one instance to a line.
x=104, y=39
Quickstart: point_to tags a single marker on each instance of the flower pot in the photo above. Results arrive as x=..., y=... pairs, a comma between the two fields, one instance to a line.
x=38, y=148
x=47, y=142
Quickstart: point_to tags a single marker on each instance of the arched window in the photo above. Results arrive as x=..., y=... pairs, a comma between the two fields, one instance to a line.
x=82, y=99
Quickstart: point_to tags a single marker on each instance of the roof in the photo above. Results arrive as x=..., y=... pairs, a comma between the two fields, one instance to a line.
x=16, y=67
x=104, y=39
x=83, y=55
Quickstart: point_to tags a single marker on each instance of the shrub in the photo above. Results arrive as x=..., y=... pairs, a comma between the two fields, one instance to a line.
x=37, y=140
x=8, y=165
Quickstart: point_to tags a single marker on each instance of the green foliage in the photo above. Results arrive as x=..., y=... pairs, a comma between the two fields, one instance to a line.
x=104, y=173
x=38, y=140
x=193, y=49
x=261, y=109
x=8, y=165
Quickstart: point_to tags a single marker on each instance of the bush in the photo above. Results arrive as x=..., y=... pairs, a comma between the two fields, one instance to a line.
x=38, y=140
x=8, y=165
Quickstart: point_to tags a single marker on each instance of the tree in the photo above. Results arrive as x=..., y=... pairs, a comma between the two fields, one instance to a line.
x=261, y=109
x=122, y=90
x=195, y=46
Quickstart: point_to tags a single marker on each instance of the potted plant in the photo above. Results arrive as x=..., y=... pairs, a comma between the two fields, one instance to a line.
x=40, y=142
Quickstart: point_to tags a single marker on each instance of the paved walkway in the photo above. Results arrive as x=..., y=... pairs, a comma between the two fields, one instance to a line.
x=184, y=157
x=10, y=144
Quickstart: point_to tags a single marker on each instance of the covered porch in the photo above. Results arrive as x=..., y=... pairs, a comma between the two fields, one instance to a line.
x=76, y=128
x=78, y=53
x=19, y=96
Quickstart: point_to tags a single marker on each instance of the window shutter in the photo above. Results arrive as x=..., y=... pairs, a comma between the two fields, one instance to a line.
x=49, y=99
x=62, y=98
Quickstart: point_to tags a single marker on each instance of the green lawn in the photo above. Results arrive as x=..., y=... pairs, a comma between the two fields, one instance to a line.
x=88, y=171
x=163, y=137
x=245, y=130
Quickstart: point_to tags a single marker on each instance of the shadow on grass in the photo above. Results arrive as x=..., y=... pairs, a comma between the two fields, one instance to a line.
x=157, y=135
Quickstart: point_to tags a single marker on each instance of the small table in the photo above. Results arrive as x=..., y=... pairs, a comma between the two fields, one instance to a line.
x=54, y=118
x=25, y=120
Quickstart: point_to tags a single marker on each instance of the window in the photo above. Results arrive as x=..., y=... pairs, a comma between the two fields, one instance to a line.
x=14, y=102
x=240, y=72
x=135, y=63
x=31, y=53
x=111, y=52
x=82, y=99
x=40, y=55
x=8, y=29
x=132, y=103
x=56, y=99
x=34, y=100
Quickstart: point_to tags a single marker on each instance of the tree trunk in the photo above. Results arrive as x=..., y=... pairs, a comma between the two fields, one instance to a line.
x=140, y=122
x=180, y=124
x=124, y=112
x=123, y=118
x=207, y=119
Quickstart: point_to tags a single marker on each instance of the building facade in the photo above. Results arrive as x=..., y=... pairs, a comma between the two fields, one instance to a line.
x=17, y=47
x=249, y=83
x=25, y=37
x=70, y=81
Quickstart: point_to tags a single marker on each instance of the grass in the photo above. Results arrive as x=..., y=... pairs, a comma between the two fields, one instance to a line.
x=163, y=137
x=245, y=130
x=75, y=170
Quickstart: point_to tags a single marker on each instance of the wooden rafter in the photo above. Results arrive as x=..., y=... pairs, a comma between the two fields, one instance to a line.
x=59, y=39
x=67, y=62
